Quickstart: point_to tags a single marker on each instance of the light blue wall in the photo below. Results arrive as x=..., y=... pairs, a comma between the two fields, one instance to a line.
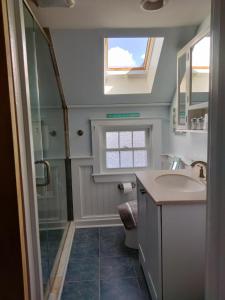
x=80, y=57
x=80, y=119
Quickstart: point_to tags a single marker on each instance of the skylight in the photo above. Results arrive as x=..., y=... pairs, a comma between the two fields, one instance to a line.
x=128, y=53
x=130, y=64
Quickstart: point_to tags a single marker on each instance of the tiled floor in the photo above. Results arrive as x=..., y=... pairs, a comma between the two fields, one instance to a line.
x=50, y=241
x=102, y=268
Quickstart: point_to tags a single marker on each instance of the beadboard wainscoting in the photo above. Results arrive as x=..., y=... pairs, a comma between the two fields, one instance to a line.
x=95, y=204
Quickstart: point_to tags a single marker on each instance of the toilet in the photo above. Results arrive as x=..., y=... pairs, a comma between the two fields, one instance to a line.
x=129, y=214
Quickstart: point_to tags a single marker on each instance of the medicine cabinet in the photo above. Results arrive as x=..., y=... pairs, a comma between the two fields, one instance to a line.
x=193, y=67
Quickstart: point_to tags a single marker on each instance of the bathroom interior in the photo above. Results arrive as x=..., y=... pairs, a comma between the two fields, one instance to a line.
x=115, y=98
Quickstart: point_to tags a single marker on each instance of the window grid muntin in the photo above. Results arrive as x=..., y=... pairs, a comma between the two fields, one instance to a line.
x=133, y=149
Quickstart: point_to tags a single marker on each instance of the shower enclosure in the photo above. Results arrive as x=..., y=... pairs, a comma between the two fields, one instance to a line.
x=47, y=111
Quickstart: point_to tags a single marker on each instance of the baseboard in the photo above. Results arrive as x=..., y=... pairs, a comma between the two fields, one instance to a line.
x=98, y=222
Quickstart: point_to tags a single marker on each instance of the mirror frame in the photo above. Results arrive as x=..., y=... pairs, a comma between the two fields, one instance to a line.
x=187, y=49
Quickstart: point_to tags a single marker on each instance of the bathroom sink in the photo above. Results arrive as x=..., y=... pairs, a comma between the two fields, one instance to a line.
x=179, y=183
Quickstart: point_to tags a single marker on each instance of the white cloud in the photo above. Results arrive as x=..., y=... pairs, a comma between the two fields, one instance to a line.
x=143, y=56
x=119, y=57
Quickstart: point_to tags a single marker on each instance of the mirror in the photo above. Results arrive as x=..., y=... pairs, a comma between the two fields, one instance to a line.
x=200, y=61
x=182, y=90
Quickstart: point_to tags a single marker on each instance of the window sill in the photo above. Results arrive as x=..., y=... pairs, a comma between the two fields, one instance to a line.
x=114, y=177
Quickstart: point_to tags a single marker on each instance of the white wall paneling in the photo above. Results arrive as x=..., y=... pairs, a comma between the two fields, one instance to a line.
x=95, y=204
x=96, y=199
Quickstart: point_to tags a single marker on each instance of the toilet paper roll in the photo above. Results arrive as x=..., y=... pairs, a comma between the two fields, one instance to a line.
x=127, y=187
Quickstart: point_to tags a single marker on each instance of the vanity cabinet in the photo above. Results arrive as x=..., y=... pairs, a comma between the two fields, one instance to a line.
x=171, y=241
x=149, y=242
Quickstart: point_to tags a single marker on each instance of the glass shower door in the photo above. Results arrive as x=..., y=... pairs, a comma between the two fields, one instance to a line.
x=49, y=149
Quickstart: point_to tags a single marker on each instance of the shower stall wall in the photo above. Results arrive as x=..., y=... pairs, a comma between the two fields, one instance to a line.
x=49, y=147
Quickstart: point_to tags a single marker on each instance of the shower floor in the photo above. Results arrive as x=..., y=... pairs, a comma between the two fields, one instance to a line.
x=102, y=268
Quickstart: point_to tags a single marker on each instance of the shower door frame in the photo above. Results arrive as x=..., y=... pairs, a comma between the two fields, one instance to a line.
x=22, y=93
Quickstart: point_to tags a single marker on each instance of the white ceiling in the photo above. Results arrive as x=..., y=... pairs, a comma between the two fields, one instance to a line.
x=123, y=14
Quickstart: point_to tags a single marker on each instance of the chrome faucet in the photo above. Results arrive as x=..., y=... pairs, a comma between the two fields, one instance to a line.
x=201, y=163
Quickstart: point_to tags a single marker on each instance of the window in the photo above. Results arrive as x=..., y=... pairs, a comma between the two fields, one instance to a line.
x=122, y=146
x=126, y=149
x=124, y=54
x=130, y=64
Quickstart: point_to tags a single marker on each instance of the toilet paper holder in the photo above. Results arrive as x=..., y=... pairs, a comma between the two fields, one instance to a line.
x=120, y=186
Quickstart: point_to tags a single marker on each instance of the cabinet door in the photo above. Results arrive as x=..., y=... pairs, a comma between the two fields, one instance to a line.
x=142, y=224
x=154, y=248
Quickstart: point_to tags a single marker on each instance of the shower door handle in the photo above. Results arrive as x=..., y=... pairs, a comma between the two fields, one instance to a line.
x=47, y=167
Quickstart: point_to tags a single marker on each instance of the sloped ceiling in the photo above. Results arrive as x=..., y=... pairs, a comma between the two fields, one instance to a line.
x=80, y=57
x=123, y=14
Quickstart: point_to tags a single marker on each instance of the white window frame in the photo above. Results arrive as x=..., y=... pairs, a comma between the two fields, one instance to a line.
x=131, y=129
x=154, y=142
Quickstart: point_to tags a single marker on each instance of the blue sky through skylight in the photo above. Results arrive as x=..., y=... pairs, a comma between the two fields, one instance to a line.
x=126, y=52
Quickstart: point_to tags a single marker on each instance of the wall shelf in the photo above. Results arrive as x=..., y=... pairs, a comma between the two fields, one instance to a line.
x=203, y=105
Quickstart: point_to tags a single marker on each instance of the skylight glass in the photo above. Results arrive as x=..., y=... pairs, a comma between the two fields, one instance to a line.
x=127, y=53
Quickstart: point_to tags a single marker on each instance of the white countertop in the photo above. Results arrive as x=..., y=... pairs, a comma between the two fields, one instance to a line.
x=163, y=196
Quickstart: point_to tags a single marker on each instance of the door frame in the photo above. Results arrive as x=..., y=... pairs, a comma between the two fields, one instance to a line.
x=215, y=249
x=22, y=93
x=25, y=141
x=14, y=222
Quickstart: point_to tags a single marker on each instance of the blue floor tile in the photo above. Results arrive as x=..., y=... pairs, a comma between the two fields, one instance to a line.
x=116, y=267
x=83, y=269
x=86, y=234
x=85, y=249
x=117, y=231
x=101, y=267
x=81, y=290
x=120, y=289
x=112, y=242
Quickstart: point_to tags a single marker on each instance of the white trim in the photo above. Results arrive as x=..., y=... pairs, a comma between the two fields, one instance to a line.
x=97, y=143
x=99, y=221
x=129, y=119
x=117, y=177
x=82, y=157
x=197, y=38
x=116, y=105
